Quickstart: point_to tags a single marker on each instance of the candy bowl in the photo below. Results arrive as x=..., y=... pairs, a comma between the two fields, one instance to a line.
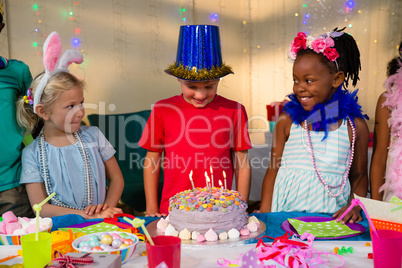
x=6, y=239
x=107, y=243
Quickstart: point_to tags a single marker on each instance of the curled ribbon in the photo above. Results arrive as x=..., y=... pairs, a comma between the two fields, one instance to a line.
x=65, y=261
x=286, y=252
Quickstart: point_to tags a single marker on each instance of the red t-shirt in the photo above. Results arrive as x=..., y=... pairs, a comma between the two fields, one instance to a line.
x=195, y=139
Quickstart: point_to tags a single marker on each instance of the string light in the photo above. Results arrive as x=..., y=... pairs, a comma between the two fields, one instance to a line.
x=350, y=4
x=76, y=42
x=214, y=17
x=182, y=11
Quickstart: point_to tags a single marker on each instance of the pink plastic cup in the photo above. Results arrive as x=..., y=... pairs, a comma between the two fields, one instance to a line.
x=387, y=249
x=166, y=249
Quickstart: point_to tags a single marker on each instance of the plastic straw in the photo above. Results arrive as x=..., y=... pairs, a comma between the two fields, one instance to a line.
x=354, y=203
x=38, y=208
x=137, y=223
x=395, y=209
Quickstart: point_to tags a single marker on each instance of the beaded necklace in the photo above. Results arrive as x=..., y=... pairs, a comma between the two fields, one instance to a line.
x=317, y=171
x=87, y=171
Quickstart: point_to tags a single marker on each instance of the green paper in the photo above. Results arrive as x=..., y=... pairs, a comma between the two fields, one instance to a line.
x=322, y=229
x=96, y=228
x=395, y=200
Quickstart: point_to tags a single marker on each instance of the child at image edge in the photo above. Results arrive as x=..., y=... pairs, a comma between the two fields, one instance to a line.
x=319, y=150
x=385, y=179
x=66, y=158
x=15, y=79
x=198, y=131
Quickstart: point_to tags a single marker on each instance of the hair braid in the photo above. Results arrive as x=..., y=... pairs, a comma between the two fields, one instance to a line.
x=349, y=57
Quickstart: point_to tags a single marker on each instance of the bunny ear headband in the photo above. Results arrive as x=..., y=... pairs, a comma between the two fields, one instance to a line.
x=54, y=62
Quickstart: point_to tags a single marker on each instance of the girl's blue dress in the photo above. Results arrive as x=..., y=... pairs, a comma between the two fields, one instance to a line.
x=66, y=167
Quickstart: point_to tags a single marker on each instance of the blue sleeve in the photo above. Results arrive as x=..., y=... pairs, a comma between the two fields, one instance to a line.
x=30, y=171
x=94, y=137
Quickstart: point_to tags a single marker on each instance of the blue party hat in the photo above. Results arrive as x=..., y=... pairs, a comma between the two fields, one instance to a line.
x=199, y=55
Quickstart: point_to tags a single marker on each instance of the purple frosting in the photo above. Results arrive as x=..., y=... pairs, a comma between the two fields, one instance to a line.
x=202, y=210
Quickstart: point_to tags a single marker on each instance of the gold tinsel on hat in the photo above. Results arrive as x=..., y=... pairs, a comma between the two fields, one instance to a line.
x=1, y=9
x=198, y=75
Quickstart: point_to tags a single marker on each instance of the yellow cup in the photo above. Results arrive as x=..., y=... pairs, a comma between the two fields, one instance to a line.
x=36, y=253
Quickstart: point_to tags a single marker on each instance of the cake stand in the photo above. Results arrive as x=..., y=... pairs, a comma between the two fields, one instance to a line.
x=230, y=242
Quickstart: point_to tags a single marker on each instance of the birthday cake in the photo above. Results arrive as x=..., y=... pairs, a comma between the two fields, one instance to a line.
x=208, y=214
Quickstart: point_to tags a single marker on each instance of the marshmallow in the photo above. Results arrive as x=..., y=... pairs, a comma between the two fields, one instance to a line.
x=2, y=228
x=31, y=228
x=11, y=227
x=9, y=217
x=19, y=232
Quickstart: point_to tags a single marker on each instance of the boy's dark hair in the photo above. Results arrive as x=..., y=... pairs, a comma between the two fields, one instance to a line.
x=394, y=64
x=349, y=57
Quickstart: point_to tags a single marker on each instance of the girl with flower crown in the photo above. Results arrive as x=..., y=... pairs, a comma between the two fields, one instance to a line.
x=385, y=170
x=66, y=158
x=321, y=138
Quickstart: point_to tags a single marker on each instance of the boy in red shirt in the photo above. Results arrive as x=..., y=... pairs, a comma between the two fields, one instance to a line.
x=198, y=131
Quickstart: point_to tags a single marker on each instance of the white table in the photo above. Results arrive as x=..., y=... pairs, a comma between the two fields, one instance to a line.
x=207, y=257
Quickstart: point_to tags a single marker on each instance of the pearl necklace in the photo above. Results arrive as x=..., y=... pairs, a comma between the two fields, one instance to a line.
x=345, y=178
x=87, y=171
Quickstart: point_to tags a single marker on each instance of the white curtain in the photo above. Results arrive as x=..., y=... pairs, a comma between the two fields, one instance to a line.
x=128, y=43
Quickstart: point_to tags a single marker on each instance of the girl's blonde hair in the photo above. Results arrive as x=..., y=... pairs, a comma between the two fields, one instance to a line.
x=58, y=83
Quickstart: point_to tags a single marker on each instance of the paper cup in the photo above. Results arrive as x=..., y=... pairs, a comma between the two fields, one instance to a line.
x=166, y=249
x=36, y=253
x=387, y=249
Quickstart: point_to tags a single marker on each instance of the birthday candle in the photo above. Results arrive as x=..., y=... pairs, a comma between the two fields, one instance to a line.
x=206, y=179
x=212, y=176
x=208, y=188
x=224, y=178
x=191, y=179
x=220, y=184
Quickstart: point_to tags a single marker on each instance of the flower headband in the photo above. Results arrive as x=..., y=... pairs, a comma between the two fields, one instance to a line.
x=54, y=62
x=323, y=44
